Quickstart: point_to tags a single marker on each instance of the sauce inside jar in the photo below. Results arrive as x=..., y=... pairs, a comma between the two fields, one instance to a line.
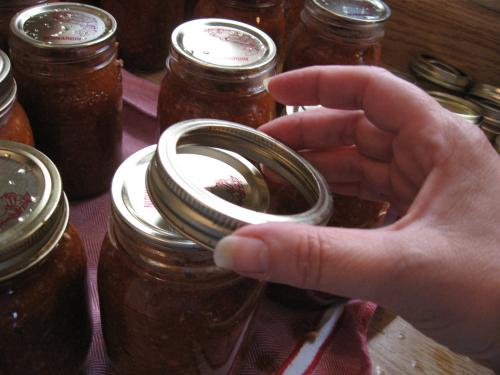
x=216, y=69
x=69, y=83
x=44, y=318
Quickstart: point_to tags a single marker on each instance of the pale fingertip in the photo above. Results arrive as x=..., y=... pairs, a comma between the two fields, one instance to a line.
x=242, y=254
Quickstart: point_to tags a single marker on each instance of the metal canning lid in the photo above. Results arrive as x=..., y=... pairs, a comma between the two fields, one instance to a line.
x=483, y=91
x=356, y=11
x=439, y=73
x=204, y=217
x=8, y=87
x=34, y=212
x=224, y=45
x=462, y=107
x=491, y=113
x=63, y=27
x=224, y=173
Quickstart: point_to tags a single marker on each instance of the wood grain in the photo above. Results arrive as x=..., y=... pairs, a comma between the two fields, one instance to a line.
x=398, y=348
x=465, y=33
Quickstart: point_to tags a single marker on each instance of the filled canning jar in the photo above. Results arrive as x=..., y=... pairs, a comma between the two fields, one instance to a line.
x=166, y=307
x=8, y=8
x=14, y=124
x=44, y=318
x=266, y=15
x=216, y=69
x=69, y=80
x=338, y=32
x=144, y=29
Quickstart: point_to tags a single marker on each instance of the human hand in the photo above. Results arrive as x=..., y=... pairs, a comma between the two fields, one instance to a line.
x=382, y=138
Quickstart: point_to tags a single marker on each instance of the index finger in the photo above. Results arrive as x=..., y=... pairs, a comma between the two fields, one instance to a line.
x=389, y=102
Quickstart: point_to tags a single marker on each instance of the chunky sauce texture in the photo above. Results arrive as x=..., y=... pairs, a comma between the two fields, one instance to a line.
x=16, y=126
x=76, y=122
x=44, y=318
x=182, y=99
x=184, y=322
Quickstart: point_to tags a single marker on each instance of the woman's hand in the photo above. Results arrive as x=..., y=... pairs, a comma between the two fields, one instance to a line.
x=379, y=137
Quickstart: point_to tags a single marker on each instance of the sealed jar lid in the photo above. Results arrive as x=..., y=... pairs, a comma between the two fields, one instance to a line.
x=223, y=173
x=33, y=209
x=439, y=73
x=341, y=18
x=224, y=45
x=491, y=114
x=204, y=217
x=483, y=91
x=8, y=87
x=462, y=107
x=356, y=11
x=67, y=30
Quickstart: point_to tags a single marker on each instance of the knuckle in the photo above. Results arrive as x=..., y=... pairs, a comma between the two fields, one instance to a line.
x=311, y=259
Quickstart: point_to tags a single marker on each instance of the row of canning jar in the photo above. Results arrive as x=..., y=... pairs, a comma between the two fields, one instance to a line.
x=165, y=306
x=144, y=43
x=64, y=59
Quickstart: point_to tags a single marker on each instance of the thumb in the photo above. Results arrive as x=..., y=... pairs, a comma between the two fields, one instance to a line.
x=353, y=263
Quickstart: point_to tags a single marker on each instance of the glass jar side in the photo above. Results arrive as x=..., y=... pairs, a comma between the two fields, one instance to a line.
x=44, y=318
x=15, y=125
x=187, y=92
x=172, y=322
x=308, y=47
x=144, y=30
x=65, y=109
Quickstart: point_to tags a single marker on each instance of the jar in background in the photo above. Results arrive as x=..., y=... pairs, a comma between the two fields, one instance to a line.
x=144, y=29
x=166, y=307
x=44, y=317
x=8, y=8
x=292, y=14
x=266, y=15
x=69, y=80
x=216, y=69
x=14, y=124
x=338, y=32
x=433, y=74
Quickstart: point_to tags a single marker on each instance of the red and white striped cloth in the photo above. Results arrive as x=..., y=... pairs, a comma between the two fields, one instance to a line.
x=285, y=341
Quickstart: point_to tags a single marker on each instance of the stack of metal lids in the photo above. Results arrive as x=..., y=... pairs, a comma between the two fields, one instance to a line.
x=436, y=74
x=488, y=97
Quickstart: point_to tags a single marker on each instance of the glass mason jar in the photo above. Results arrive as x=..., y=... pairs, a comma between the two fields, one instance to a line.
x=266, y=15
x=338, y=32
x=8, y=8
x=14, y=124
x=144, y=30
x=64, y=58
x=433, y=74
x=216, y=69
x=44, y=318
x=166, y=307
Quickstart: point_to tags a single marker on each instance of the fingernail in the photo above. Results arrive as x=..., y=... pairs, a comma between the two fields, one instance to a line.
x=266, y=83
x=242, y=254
